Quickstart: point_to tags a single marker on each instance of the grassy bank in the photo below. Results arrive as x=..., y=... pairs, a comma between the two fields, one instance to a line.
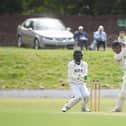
x=29, y=68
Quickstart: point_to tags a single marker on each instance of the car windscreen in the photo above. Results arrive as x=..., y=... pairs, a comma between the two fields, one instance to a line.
x=49, y=25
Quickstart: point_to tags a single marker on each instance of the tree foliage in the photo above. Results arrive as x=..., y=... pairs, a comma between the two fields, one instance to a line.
x=64, y=7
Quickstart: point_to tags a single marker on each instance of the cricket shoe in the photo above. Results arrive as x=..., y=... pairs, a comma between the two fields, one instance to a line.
x=116, y=110
x=64, y=109
x=86, y=110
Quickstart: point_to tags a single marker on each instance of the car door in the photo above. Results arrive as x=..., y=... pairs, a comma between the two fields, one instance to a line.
x=28, y=34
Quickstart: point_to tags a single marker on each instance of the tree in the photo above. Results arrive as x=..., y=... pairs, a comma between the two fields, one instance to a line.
x=103, y=7
x=64, y=7
x=119, y=7
x=13, y=6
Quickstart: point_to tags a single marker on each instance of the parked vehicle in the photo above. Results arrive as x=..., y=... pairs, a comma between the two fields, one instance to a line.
x=43, y=32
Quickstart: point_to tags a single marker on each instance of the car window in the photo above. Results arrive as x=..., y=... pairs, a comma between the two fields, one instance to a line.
x=28, y=24
x=49, y=25
x=31, y=24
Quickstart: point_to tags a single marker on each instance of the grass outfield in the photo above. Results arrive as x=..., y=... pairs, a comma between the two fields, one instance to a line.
x=46, y=112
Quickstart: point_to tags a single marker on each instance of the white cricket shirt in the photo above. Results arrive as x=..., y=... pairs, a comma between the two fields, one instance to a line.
x=121, y=58
x=76, y=71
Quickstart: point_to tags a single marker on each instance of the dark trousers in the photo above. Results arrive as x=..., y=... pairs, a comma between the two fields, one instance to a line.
x=83, y=44
x=101, y=43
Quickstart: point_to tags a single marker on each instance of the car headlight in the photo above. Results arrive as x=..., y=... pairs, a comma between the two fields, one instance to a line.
x=47, y=38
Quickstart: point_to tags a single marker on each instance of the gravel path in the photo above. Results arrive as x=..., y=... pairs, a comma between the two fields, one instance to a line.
x=51, y=93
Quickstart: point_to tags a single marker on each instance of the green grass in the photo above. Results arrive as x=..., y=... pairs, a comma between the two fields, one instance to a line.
x=47, y=68
x=46, y=112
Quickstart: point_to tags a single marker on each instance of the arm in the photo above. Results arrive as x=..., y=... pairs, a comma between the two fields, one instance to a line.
x=118, y=57
x=86, y=72
x=84, y=76
x=95, y=35
x=105, y=36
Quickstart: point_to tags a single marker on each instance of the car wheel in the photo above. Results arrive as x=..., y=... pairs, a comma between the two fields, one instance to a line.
x=19, y=42
x=36, y=44
x=70, y=47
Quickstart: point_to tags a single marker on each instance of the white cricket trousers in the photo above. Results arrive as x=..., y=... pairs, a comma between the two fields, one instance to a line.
x=123, y=87
x=80, y=90
x=122, y=94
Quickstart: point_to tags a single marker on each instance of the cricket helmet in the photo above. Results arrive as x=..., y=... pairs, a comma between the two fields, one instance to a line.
x=116, y=47
x=77, y=55
x=116, y=44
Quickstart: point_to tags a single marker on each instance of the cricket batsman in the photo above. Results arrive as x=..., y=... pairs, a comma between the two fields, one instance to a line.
x=77, y=76
x=120, y=56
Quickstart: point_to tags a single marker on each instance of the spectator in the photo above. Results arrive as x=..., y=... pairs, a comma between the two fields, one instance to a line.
x=80, y=37
x=101, y=37
x=122, y=38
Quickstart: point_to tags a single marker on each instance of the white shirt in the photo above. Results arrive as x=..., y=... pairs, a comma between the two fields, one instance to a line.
x=76, y=71
x=122, y=40
x=121, y=58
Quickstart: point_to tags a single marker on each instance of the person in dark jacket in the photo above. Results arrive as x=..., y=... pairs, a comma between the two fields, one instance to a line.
x=81, y=38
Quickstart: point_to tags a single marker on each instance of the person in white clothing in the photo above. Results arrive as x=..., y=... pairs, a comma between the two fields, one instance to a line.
x=77, y=76
x=120, y=57
x=122, y=38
